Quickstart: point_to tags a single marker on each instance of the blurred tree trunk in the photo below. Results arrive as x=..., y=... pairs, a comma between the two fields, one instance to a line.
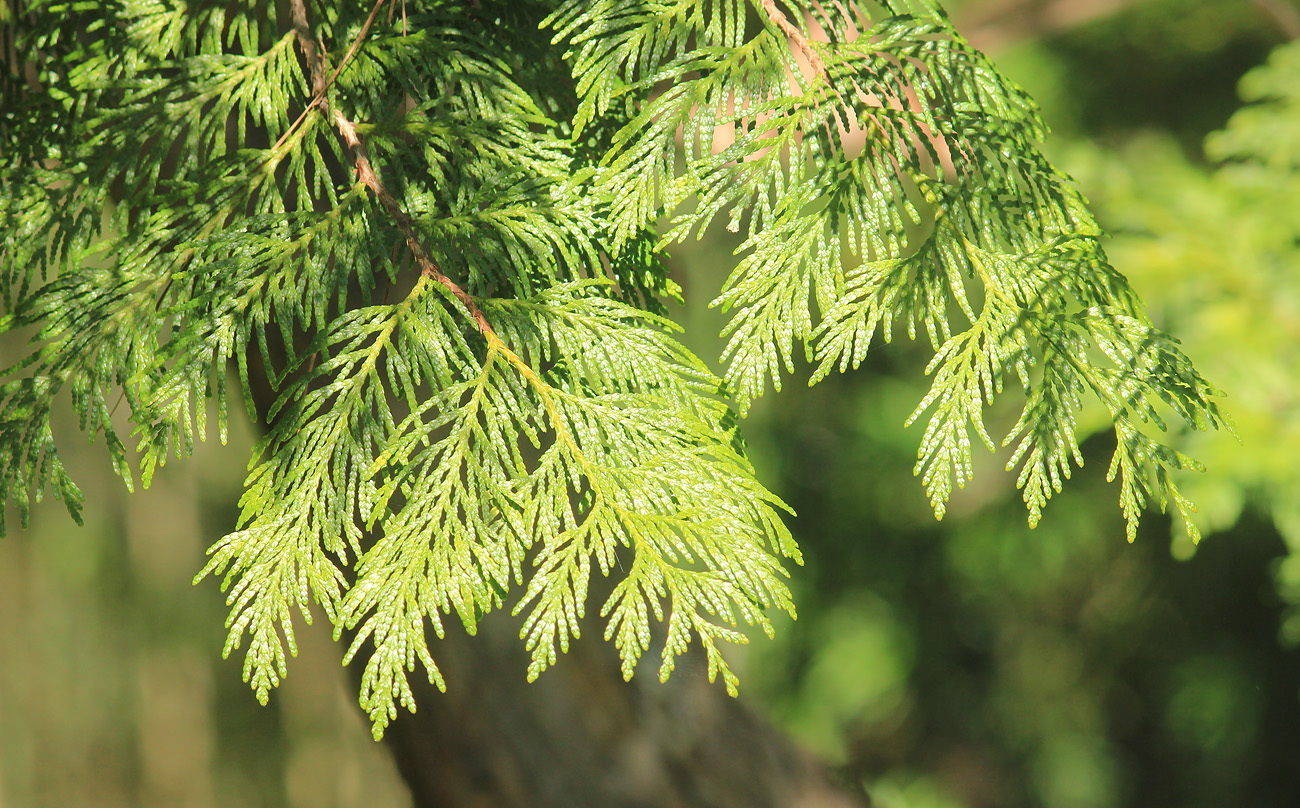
x=581, y=736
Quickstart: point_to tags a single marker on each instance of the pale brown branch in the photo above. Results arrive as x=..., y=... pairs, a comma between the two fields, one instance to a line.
x=814, y=59
x=365, y=170
x=370, y=178
x=777, y=16
x=316, y=62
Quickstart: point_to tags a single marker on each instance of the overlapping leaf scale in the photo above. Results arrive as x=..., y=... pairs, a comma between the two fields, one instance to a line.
x=1007, y=218
x=522, y=233
x=29, y=460
x=776, y=140
x=273, y=566
x=64, y=216
x=176, y=72
x=461, y=153
x=1064, y=273
x=796, y=259
x=796, y=252
x=97, y=330
x=200, y=97
x=585, y=431
x=445, y=503
x=1042, y=253
x=281, y=271
x=449, y=547
x=743, y=87
x=47, y=217
x=703, y=535
x=1147, y=369
x=270, y=271
x=770, y=292
x=951, y=92
x=692, y=62
x=871, y=294
x=1134, y=370
x=916, y=287
x=436, y=60
x=300, y=516
x=490, y=183
x=639, y=462
x=1045, y=436
x=102, y=323
x=605, y=346
x=866, y=209
x=884, y=212
x=160, y=29
x=968, y=373
x=1143, y=466
x=212, y=295
x=615, y=42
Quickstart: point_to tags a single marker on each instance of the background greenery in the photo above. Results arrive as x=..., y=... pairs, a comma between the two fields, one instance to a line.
x=968, y=663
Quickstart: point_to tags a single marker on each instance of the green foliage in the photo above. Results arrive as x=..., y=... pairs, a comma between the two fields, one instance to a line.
x=519, y=410
x=1174, y=221
x=949, y=205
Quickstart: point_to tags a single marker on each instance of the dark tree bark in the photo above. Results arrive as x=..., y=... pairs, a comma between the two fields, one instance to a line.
x=581, y=736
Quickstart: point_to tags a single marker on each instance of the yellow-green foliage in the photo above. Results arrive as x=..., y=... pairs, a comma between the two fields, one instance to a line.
x=434, y=240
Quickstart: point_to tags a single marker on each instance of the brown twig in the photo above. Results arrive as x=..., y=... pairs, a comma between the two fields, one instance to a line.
x=777, y=16
x=317, y=63
x=815, y=61
x=428, y=267
x=1283, y=14
x=365, y=171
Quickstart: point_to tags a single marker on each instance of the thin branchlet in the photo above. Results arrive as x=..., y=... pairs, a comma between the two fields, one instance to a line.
x=322, y=78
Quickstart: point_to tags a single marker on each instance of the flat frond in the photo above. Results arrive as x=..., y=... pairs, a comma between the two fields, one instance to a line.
x=882, y=171
x=430, y=249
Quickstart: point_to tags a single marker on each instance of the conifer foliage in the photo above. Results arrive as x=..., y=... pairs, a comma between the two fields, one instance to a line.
x=429, y=227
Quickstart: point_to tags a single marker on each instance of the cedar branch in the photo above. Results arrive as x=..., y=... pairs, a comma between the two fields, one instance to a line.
x=317, y=63
x=797, y=37
x=366, y=173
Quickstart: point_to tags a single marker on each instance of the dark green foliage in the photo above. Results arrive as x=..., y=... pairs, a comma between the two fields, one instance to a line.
x=447, y=268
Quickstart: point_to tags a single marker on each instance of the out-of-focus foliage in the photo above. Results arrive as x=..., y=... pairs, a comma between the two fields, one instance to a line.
x=1171, y=65
x=1217, y=256
x=111, y=695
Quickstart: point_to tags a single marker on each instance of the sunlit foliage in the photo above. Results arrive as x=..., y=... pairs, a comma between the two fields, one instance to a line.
x=429, y=229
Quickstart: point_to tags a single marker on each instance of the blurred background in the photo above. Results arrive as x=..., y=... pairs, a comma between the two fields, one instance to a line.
x=969, y=663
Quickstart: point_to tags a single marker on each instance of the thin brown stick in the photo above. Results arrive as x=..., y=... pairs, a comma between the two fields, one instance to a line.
x=815, y=61
x=1283, y=14
x=365, y=170
x=370, y=178
x=777, y=16
x=317, y=63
